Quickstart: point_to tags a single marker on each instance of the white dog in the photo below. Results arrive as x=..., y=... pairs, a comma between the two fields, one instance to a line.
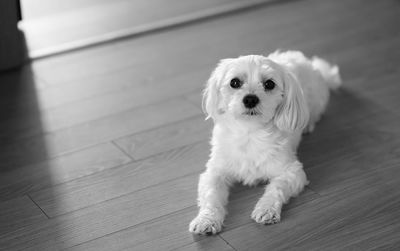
x=260, y=107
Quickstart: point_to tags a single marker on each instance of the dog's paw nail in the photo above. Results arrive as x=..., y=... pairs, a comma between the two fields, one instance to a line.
x=205, y=225
x=266, y=216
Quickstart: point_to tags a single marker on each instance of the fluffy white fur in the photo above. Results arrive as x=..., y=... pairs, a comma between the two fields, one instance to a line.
x=260, y=144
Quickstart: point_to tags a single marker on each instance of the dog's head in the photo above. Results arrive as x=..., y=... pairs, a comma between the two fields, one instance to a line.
x=256, y=89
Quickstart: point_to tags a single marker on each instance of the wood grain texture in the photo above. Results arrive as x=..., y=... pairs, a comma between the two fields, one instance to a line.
x=361, y=217
x=167, y=233
x=94, y=132
x=351, y=159
x=195, y=97
x=170, y=231
x=169, y=137
x=18, y=213
x=242, y=202
x=211, y=243
x=18, y=181
x=107, y=217
x=120, y=181
x=26, y=124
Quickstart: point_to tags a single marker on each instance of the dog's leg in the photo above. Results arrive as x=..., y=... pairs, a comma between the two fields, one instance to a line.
x=278, y=191
x=213, y=197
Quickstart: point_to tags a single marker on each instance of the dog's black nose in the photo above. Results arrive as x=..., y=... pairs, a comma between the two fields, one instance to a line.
x=250, y=101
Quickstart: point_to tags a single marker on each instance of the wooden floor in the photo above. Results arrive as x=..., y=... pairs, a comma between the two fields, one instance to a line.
x=101, y=148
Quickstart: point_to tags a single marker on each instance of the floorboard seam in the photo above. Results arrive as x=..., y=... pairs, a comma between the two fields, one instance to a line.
x=99, y=95
x=227, y=243
x=85, y=147
x=123, y=151
x=106, y=116
x=120, y=166
x=161, y=126
x=190, y=144
x=311, y=189
x=81, y=177
x=34, y=202
x=126, y=194
x=135, y=225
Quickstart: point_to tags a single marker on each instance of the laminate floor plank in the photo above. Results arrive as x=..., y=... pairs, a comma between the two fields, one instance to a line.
x=211, y=243
x=350, y=216
x=357, y=156
x=18, y=213
x=79, y=112
x=18, y=181
x=116, y=182
x=349, y=177
x=102, y=85
x=169, y=137
x=105, y=218
x=52, y=97
x=366, y=101
x=195, y=97
x=358, y=142
x=18, y=81
x=38, y=148
x=170, y=231
x=166, y=233
x=380, y=91
x=242, y=202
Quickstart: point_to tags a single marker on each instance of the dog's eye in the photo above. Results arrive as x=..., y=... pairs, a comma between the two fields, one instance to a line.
x=235, y=83
x=269, y=84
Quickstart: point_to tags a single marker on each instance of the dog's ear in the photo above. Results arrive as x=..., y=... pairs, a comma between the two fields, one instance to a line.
x=211, y=93
x=293, y=113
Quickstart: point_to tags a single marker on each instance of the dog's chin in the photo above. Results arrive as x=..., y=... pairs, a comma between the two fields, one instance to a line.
x=252, y=113
x=253, y=116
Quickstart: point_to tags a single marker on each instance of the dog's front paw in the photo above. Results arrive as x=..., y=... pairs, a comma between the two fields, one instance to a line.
x=205, y=224
x=268, y=215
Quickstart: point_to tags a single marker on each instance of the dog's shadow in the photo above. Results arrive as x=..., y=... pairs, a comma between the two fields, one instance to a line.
x=353, y=137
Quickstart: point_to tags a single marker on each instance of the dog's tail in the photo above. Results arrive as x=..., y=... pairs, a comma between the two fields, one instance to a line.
x=329, y=72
